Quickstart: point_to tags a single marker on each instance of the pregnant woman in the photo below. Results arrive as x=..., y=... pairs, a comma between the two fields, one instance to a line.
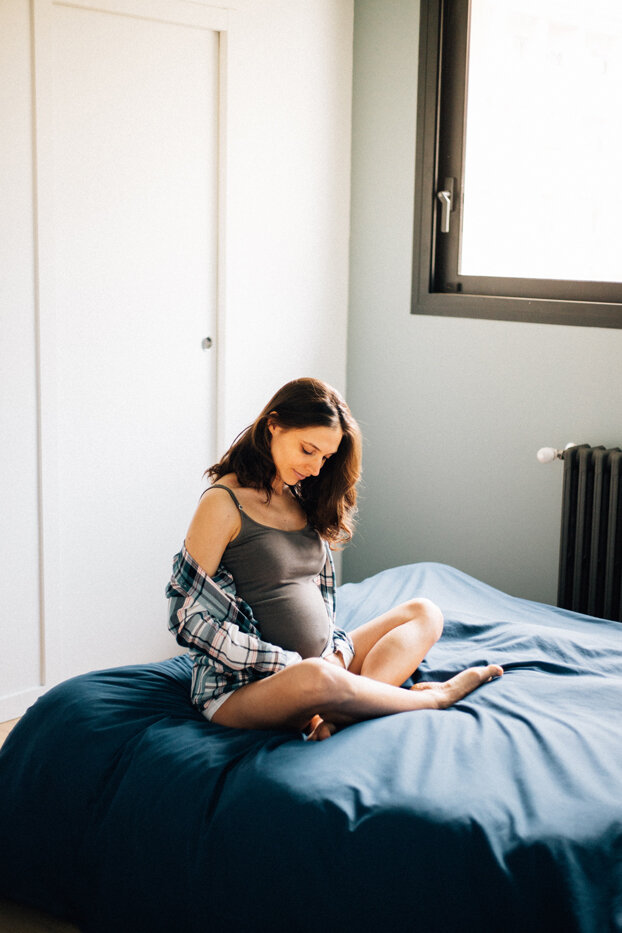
x=252, y=593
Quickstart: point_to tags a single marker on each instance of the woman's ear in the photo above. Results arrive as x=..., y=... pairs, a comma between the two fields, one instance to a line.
x=272, y=424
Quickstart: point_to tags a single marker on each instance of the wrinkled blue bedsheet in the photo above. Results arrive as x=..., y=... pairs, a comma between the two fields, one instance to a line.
x=123, y=810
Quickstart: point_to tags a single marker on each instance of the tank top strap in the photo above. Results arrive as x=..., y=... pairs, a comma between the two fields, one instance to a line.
x=230, y=491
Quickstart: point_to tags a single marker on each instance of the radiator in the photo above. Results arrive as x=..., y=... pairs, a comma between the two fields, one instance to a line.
x=590, y=560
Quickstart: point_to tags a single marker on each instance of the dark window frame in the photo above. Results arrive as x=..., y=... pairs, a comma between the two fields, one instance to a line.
x=443, y=21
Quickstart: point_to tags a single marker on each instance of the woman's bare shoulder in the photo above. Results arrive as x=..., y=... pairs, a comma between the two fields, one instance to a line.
x=245, y=495
x=216, y=522
x=229, y=479
x=217, y=505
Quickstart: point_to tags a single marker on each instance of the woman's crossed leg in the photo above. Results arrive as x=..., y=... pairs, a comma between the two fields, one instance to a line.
x=321, y=697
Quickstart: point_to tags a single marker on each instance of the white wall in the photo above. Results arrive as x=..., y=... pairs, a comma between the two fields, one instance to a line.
x=287, y=201
x=452, y=410
x=288, y=193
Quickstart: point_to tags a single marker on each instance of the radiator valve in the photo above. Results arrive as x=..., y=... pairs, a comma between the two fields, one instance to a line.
x=548, y=454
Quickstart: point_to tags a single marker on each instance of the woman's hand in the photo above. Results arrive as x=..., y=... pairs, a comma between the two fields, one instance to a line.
x=318, y=729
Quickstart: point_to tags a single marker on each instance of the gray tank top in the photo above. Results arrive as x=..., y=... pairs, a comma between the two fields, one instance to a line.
x=274, y=572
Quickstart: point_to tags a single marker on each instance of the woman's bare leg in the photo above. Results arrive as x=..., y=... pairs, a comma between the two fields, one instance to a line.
x=292, y=697
x=392, y=646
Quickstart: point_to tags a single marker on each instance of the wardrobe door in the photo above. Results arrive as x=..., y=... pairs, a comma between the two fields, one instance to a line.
x=127, y=165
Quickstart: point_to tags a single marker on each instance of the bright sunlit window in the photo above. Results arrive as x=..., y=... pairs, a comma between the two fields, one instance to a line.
x=518, y=197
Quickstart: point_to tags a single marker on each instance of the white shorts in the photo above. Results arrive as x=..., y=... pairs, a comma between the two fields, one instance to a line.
x=213, y=705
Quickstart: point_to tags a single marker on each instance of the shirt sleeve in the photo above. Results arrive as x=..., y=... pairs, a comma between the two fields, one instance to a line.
x=341, y=641
x=206, y=616
x=326, y=583
x=228, y=646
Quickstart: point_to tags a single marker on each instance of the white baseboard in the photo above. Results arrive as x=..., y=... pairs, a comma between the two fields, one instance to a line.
x=15, y=704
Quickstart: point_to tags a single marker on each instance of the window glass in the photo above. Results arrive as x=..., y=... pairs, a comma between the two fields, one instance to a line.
x=542, y=189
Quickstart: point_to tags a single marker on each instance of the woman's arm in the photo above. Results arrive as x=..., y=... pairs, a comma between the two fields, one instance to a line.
x=220, y=626
x=215, y=524
x=205, y=614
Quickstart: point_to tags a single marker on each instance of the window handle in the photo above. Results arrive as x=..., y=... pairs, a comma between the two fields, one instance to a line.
x=445, y=199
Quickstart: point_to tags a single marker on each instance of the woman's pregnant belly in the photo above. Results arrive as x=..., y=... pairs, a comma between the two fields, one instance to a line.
x=294, y=617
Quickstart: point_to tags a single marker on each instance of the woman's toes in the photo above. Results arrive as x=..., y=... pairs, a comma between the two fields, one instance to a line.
x=464, y=683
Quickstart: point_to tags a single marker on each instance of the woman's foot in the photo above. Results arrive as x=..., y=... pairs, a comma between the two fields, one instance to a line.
x=456, y=688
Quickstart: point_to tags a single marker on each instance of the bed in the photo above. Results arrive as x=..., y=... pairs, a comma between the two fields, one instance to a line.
x=122, y=809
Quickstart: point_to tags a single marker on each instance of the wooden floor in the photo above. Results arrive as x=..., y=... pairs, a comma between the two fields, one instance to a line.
x=17, y=919
x=5, y=728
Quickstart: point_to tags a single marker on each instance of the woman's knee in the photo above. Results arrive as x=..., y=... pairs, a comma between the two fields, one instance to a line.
x=319, y=681
x=426, y=612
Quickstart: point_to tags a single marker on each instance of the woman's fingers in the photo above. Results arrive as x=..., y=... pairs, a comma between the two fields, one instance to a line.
x=321, y=730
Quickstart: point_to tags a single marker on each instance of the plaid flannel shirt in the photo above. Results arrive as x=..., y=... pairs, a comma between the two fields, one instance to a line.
x=222, y=635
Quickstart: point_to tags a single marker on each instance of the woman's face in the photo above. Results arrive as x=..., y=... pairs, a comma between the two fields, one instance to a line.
x=302, y=452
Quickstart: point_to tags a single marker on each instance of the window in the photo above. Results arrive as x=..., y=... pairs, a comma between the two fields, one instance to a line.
x=518, y=196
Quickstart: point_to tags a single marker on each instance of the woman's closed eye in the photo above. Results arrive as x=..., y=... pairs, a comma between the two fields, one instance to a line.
x=310, y=453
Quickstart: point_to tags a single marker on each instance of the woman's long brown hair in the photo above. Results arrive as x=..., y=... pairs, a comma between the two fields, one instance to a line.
x=329, y=499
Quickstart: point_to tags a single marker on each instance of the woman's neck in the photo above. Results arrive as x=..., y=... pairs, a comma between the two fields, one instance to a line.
x=278, y=487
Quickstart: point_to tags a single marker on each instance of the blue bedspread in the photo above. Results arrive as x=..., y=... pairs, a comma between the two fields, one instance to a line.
x=122, y=809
